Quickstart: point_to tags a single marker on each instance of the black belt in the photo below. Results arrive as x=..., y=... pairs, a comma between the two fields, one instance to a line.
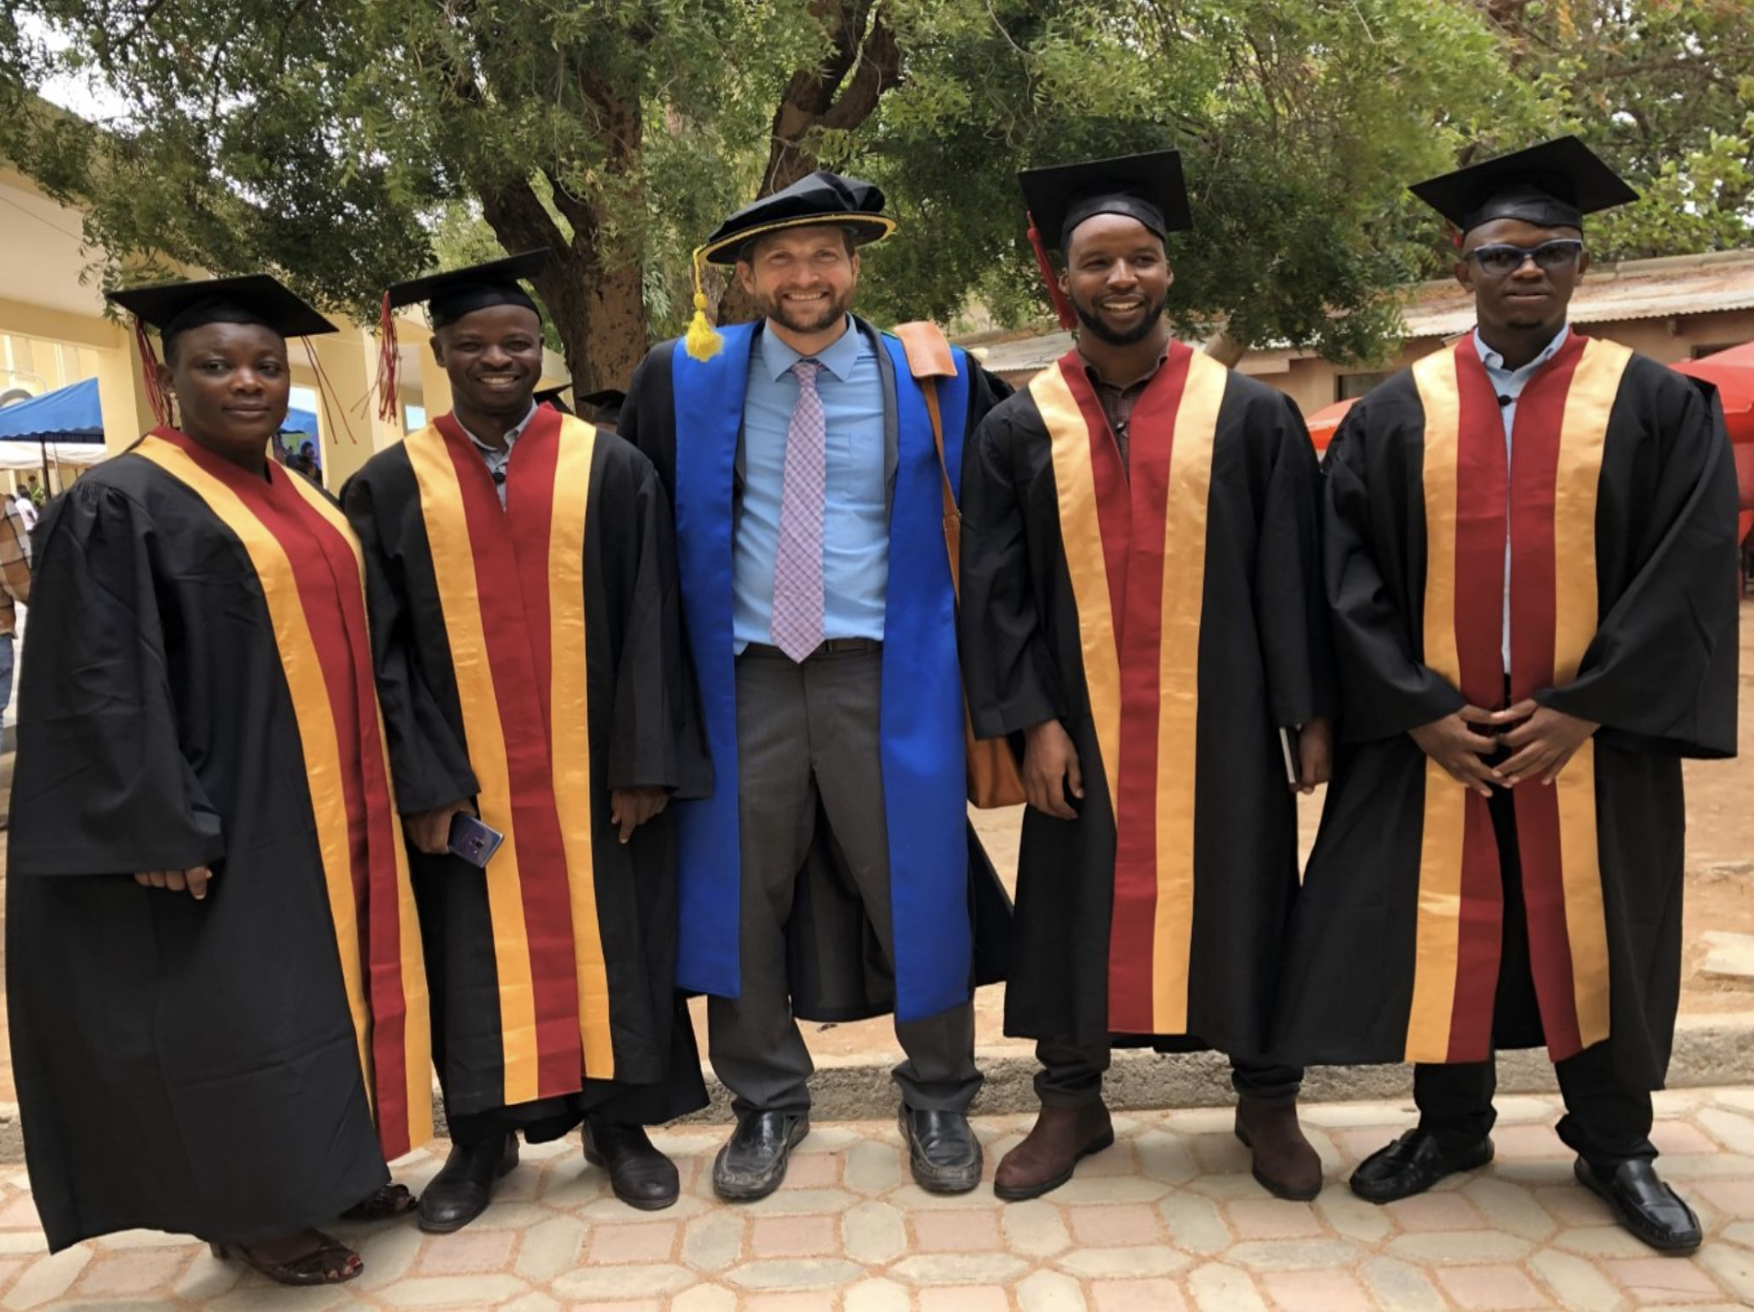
x=829, y=647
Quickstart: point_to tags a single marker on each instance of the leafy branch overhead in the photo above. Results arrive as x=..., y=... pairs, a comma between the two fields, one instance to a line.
x=348, y=143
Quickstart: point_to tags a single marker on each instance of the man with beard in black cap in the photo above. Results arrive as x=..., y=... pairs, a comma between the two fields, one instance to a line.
x=1142, y=604
x=828, y=876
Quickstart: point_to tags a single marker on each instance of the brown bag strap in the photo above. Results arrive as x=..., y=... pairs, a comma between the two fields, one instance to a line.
x=929, y=359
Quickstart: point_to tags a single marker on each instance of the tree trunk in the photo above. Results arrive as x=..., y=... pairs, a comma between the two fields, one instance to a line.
x=840, y=95
x=596, y=297
x=601, y=319
x=1225, y=349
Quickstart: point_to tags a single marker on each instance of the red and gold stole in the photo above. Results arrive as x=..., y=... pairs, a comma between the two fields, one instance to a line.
x=1135, y=543
x=512, y=588
x=313, y=582
x=1544, y=496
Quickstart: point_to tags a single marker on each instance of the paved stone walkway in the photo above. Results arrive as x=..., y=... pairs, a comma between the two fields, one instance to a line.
x=1168, y=1220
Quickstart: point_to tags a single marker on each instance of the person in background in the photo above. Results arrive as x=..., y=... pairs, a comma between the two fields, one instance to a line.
x=27, y=511
x=14, y=590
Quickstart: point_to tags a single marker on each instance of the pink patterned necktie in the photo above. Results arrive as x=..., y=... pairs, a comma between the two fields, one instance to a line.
x=797, y=571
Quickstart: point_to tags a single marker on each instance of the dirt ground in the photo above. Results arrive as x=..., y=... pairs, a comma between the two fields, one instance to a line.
x=1720, y=888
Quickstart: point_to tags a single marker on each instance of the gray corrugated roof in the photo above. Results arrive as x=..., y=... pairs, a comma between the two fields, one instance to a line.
x=1636, y=289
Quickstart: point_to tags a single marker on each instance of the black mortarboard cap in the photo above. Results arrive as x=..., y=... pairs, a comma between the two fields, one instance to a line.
x=1146, y=187
x=821, y=198
x=551, y=396
x=1552, y=185
x=449, y=296
x=606, y=404
x=178, y=306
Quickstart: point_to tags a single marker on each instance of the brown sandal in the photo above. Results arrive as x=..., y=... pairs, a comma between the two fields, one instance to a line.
x=382, y=1204
x=331, y=1262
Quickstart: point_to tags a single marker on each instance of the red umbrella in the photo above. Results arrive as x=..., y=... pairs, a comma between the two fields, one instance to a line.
x=1325, y=422
x=1732, y=373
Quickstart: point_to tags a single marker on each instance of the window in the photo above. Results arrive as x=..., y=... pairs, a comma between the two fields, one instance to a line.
x=413, y=418
x=1349, y=387
x=1700, y=352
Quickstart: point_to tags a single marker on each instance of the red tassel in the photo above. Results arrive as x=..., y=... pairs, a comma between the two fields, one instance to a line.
x=325, y=391
x=1062, y=306
x=1455, y=238
x=388, y=362
x=155, y=395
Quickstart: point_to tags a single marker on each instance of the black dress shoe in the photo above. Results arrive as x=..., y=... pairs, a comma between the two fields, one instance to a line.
x=640, y=1175
x=941, y=1150
x=1412, y=1164
x=1644, y=1205
x=461, y=1191
x=753, y=1163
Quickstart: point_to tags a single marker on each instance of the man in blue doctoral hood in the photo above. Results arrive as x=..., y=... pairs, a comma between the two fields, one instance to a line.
x=830, y=874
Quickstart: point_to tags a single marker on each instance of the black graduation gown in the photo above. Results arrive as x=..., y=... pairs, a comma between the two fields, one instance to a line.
x=193, y=1066
x=554, y=971
x=1645, y=498
x=1223, y=641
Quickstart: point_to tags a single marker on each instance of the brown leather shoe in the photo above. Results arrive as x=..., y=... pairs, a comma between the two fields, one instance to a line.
x=1285, y=1163
x=1045, y=1158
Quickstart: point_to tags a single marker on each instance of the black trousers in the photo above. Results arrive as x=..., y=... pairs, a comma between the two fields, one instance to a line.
x=681, y=1090
x=1071, y=1075
x=1607, y=1121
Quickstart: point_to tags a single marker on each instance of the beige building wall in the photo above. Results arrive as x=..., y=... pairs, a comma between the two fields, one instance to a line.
x=54, y=331
x=1313, y=382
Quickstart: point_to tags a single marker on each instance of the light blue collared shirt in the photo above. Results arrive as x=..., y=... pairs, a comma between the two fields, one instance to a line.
x=1510, y=382
x=498, y=457
x=855, y=541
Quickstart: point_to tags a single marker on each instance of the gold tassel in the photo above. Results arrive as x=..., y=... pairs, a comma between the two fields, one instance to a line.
x=701, y=342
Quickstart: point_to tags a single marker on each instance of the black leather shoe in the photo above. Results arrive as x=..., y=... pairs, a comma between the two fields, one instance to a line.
x=461, y=1191
x=1412, y=1164
x=942, y=1151
x=1644, y=1205
x=753, y=1163
x=640, y=1175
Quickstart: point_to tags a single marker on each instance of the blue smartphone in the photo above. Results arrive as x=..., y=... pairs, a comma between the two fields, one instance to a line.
x=472, y=840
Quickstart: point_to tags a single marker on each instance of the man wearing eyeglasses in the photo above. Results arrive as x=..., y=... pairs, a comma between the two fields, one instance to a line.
x=1530, y=552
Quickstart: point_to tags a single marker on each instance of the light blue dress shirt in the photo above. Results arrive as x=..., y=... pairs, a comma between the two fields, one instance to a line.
x=855, y=542
x=1510, y=382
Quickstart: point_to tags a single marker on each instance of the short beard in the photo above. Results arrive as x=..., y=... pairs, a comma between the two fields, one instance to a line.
x=1147, y=325
x=775, y=308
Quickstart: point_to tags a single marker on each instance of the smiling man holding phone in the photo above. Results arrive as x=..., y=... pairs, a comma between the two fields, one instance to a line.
x=527, y=639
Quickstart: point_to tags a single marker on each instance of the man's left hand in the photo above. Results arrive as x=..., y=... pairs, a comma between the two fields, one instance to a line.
x=1315, y=755
x=1542, y=744
x=629, y=808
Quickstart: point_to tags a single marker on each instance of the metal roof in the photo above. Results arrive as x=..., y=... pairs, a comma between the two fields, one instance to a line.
x=1636, y=289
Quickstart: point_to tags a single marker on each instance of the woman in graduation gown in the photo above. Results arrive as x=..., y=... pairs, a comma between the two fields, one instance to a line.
x=218, y=1006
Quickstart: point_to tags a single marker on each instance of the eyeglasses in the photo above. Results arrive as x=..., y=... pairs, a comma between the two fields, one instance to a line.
x=1501, y=259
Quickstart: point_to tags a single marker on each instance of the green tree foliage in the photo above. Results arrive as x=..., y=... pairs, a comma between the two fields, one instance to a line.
x=1664, y=90
x=349, y=143
x=1299, y=127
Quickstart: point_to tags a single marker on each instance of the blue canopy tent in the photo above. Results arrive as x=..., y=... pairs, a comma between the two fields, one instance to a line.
x=68, y=414
x=299, y=421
